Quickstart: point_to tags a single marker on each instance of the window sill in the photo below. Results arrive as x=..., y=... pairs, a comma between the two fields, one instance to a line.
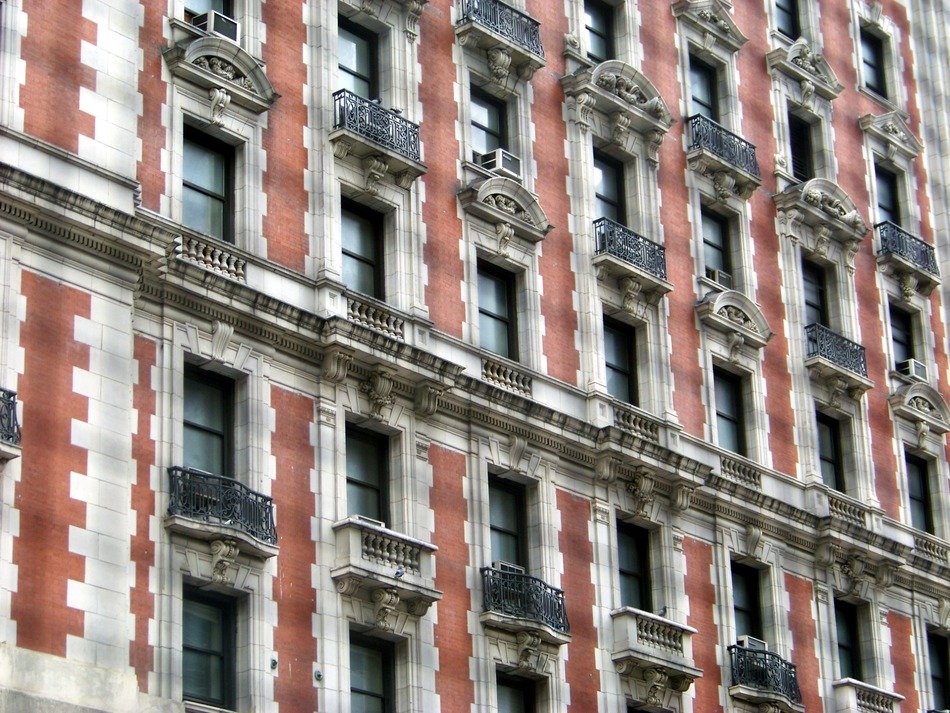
x=196, y=707
x=882, y=100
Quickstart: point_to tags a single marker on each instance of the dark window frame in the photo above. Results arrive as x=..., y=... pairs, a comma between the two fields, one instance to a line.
x=501, y=134
x=788, y=19
x=938, y=654
x=376, y=223
x=510, y=320
x=357, y=437
x=720, y=245
x=226, y=198
x=639, y=579
x=873, y=62
x=607, y=15
x=849, y=640
x=747, y=580
x=887, y=195
x=736, y=385
x=618, y=170
x=702, y=72
x=527, y=688
x=372, y=42
x=226, y=387
x=835, y=459
x=815, y=293
x=921, y=513
x=388, y=651
x=628, y=335
x=227, y=655
x=801, y=145
x=903, y=333
x=519, y=496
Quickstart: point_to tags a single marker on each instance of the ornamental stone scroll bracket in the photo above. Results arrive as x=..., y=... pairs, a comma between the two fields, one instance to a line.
x=378, y=389
x=223, y=555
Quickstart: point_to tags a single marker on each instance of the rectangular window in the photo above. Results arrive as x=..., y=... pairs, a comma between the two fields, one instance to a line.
x=704, y=89
x=633, y=556
x=787, y=18
x=902, y=335
x=938, y=650
x=489, y=123
x=872, y=63
x=848, y=632
x=208, y=644
x=801, y=147
x=730, y=419
x=747, y=600
x=829, y=452
x=609, y=188
x=620, y=352
x=193, y=8
x=599, y=29
x=208, y=421
x=918, y=492
x=497, y=328
x=888, y=197
x=207, y=185
x=815, y=284
x=358, y=62
x=361, y=233
x=506, y=504
x=515, y=695
x=367, y=474
x=717, y=249
x=372, y=675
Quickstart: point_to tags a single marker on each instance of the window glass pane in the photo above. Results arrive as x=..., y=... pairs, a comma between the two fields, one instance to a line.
x=366, y=669
x=510, y=699
x=715, y=243
x=359, y=235
x=488, y=120
x=363, y=500
x=872, y=59
x=887, y=199
x=608, y=189
x=813, y=282
x=786, y=18
x=203, y=625
x=505, y=547
x=356, y=63
x=939, y=654
x=503, y=507
x=203, y=213
x=703, y=82
x=201, y=675
x=204, y=167
x=363, y=461
x=801, y=148
x=204, y=450
x=598, y=21
x=204, y=404
x=359, y=276
x=493, y=335
x=205, y=654
x=492, y=294
x=199, y=7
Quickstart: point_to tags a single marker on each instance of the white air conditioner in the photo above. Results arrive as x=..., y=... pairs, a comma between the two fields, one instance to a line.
x=218, y=24
x=501, y=163
x=720, y=277
x=913, y=369
x=750, y=642
x=507, y=567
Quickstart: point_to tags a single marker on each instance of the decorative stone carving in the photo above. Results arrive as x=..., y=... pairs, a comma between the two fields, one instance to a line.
x=336, y=362
x=711, y=19
x=607, y=467
x=892, y=130
x=504, y=201
x=640, y=488
x=427, y=398
x=802, y=64
x=528, y=643
x=378, y=388
x=682, y=496
x=223, y=555
x=509, y=205
x=374, y=169
x=414, y=10
x=225, y=70
x=737, y=317
x=499, y=61
x=923, y=406
x=219, y=102
x=385, y=602
x=835, y=207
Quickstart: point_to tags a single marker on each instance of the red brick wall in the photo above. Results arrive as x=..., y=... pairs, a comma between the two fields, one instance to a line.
x=903, y=660
x=41, y=551
x=801, y=624
x=293, y=588
x=702, y=607
x=151, y=131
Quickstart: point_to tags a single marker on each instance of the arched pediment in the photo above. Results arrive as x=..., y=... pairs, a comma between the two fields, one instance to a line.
x=631, y=86
x=735, y=314
x=891, y=129
x=713, y=20
x=809, y=68
x=505, y=202
x=822, y=202
x=216, y=63
x=922, y=405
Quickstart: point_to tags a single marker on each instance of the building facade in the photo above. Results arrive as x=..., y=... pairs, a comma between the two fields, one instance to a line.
x=463, y=356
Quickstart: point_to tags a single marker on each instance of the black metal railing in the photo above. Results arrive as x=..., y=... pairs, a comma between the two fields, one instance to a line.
x=764, y=671
x=9, y=425
x=823, y=342
x=897, y=241
x=524, y=596
x=704, y=133
x=621, y=242
x=372, y=121
x=506, y=21
x=218, y=500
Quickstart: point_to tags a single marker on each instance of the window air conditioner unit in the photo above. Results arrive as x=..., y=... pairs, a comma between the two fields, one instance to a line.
x=913, y=369
x=750, y=642
x=720, y=277
x=501, y=163
x=507, y=567
x=218, y=24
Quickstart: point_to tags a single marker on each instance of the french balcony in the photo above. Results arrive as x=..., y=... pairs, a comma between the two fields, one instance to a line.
x=517, y=602
x=622, y=253
x=367, y=130
x=511, y=39
x=852, y=696
x=761, y=677
x=836, y=360
x=645, y=642
x=9, y=426
x=371, y=558
x=726, y=159
x=214, y=507
x=907, y=256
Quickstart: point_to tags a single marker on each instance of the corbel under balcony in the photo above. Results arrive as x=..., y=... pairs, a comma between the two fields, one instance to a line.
x=635, y=262
x=765, y=680
x=859, y=697
x=805, y=66
x=817, y=212
x=655, y=651
x=837, y=362
x=724, y=158
x=9, y=426
x=507, y=205
x=511, y=40
x=908, y=258
x=386, y=567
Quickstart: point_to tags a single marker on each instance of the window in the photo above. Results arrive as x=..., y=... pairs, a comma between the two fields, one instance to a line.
x=208, y=645
x=872, y=62
x=848, y=632
x=730, y=421
x=938, y=650
x=815, y=283
x=207, y=185
x=902, y=335
x=829, y=452
x=787, y=18
x=608, y=188
x=801, y=147
x=704, y=89
x=371, y=675
x=496, y=311
x=208, y=421
x=367, y=473
x=620, y=352
x=888, y=198
x=633, y=556
x=599, y=29
x=489, y=123
x=918, y=493
x=747, y=600
x=515, y=695
x=361, y=235
x=506, y=503
x=717, y=249
x=357, y=60
x=194, y=8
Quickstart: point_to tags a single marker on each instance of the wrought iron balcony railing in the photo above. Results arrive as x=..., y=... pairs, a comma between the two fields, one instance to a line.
x=764, y=671
x=621, y=242
x=523, y=596
x=218, y=500
x=377, y=124
x=506, y=21
x=822, y=342
x=897, y=241
x=704, y=133
x=9, y=425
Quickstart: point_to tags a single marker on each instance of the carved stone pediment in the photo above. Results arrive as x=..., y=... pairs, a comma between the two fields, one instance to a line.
x=509, y=206
x=807, y=67
x=817, y=213
x=713, y=20
x=891, y=129
x=735, y=315
x=215, y=63
x=922, y=405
